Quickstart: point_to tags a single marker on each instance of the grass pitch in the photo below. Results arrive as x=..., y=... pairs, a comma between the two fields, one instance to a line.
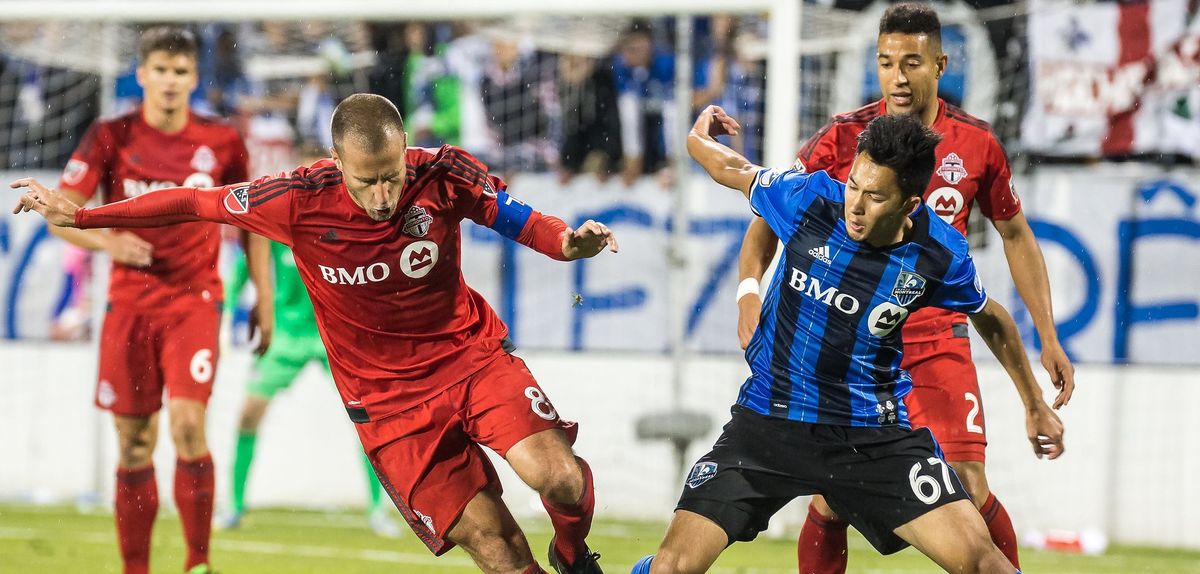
x=63, y=540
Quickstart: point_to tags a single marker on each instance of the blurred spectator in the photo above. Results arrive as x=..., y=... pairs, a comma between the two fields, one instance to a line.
x=227, y=81
x=431, y=94
x=591, y=125
x=514, y=93
x=644, y=78
x=732, y=74
x=467, y=54
x=314, y=111
x=73, y=320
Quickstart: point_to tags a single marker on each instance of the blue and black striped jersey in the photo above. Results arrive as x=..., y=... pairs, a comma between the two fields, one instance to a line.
x=827, y=349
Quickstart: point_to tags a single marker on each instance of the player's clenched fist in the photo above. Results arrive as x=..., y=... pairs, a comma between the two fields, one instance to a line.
x=57, y=209
x=588, y=240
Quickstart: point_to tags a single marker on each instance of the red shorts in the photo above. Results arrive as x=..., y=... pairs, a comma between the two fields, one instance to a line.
x=945, y=396
x=429, y=457
x=143, y=352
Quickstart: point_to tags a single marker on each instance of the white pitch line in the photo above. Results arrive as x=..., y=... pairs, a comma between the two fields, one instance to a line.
x=267, y=548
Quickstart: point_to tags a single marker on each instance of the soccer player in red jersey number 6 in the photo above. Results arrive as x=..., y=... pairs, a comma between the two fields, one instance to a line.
x=423, y=365
x=971, y=167
x=164, y=298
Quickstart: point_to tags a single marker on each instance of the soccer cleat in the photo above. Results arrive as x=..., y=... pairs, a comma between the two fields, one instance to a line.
x=230, y=521
x=201, y=569
x=383, y=525
x=585, y=563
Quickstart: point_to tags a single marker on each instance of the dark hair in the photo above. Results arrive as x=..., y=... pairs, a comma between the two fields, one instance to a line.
x=911, y=18
x=369, y=119
x=904, y=145
x=170, y=39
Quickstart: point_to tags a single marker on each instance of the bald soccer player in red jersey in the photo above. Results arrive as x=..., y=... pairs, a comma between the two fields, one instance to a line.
x=422, y=363
x=971, y=168
x=164, y=297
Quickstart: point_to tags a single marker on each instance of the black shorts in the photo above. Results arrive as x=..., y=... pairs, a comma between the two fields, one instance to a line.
x=877, y=479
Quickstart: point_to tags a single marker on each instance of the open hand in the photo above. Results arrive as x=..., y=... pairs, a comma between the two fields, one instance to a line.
x=589, y=240
x=50, y=204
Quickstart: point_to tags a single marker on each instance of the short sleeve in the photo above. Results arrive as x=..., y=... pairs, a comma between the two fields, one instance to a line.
x=962, y=289
x=475, y=191
x=820, y=151
x=997, y=196
x=90, y=163
x=779, y=197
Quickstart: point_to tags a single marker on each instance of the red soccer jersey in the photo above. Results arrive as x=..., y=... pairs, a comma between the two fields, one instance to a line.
x=971, y=167
x=129, y=157
x=397, y=318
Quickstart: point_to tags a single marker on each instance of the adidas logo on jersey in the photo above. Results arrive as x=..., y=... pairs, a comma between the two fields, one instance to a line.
x=821, y=253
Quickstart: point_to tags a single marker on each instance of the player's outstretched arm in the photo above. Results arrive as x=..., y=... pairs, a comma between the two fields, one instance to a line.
x=758, y=248
x=998, y=330
x=725, y=166
x=1028, y=269
x=163, y=207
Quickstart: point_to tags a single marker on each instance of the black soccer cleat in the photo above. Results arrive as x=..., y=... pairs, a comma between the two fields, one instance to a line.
x=585, y=563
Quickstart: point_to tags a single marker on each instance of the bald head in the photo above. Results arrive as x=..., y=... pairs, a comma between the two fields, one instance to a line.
x=368, y=121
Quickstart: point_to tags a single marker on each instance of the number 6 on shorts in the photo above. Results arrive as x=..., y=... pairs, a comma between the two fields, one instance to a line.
x=920, y=482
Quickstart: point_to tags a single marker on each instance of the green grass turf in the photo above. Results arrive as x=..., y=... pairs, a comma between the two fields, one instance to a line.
x=62, y=540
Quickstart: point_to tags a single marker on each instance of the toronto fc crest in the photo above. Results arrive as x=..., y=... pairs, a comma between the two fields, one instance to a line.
x=952, y=169
x=416, y=221
x=204, y=159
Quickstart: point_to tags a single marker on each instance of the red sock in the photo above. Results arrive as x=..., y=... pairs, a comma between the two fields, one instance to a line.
x=572, y=523
x=194, y=499
x=136, y=507
x=1001, y=528
x=822, y=547
x=534, y=569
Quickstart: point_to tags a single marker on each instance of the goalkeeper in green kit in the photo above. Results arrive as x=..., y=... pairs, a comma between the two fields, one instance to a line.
x=294, y=345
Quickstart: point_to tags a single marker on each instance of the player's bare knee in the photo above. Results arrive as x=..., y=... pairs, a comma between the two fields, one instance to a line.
x=562, y=482
x=135, y=450
x=187, y=432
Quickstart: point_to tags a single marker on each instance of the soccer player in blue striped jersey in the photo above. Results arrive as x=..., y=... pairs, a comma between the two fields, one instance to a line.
x=823, y=410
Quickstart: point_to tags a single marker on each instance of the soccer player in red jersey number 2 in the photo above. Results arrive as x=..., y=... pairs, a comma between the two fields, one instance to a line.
x=422, y=363
x=971, y=168
x=164, y=298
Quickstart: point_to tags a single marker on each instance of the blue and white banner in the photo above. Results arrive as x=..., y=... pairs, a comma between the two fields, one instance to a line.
x=1122, y=244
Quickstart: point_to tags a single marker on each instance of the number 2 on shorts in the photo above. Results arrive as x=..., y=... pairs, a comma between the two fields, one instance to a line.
x=972, y=416
x=921, y=483
x=540, y=404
